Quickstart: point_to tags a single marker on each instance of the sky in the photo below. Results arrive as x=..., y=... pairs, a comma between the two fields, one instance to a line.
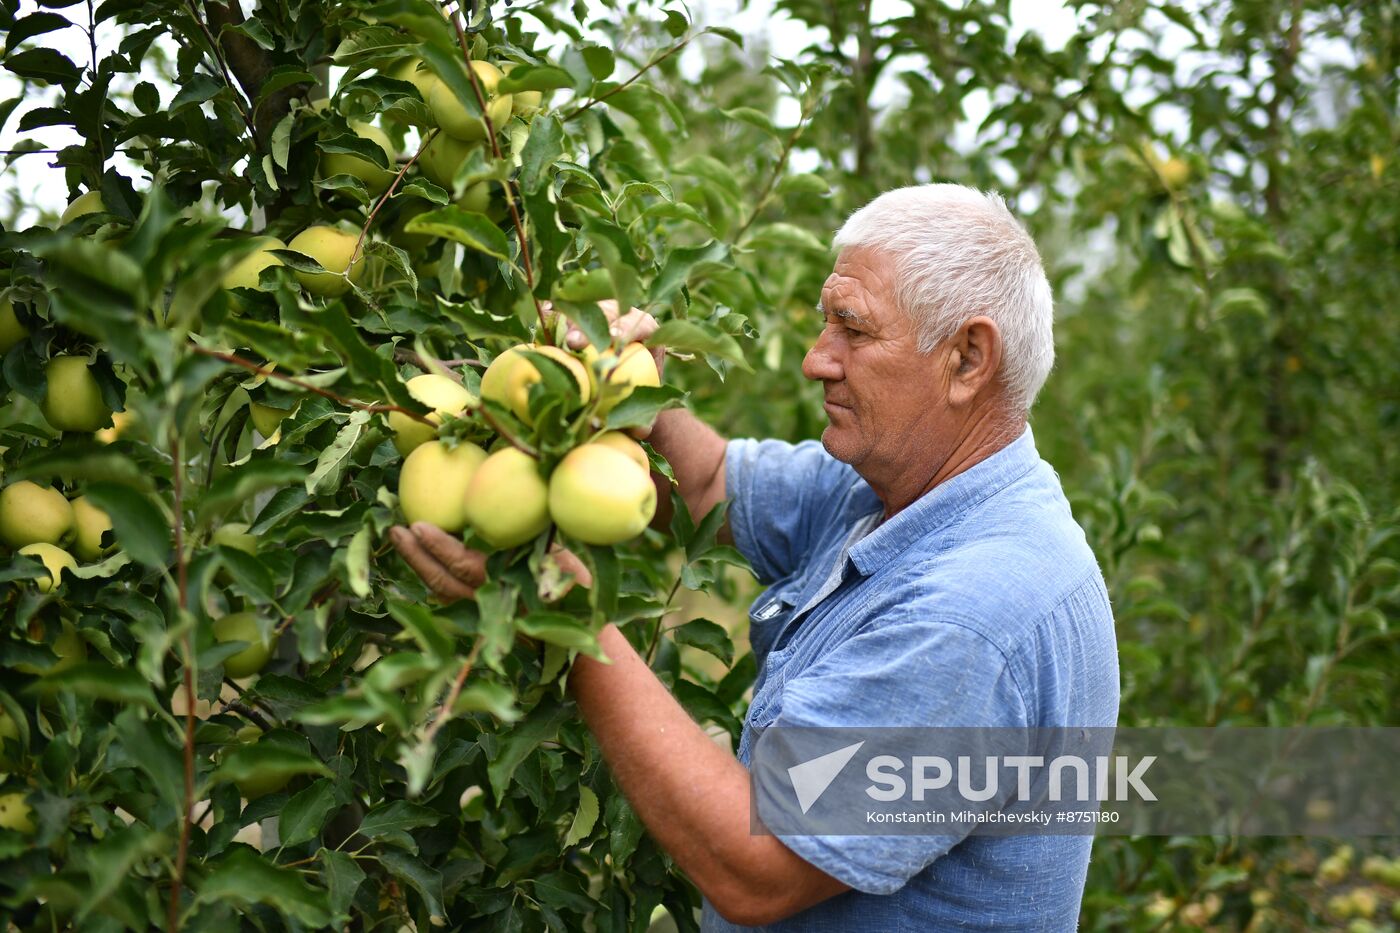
x=38, y=186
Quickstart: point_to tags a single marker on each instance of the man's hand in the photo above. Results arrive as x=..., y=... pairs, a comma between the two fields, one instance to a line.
x=634, y=326
x=452, y=570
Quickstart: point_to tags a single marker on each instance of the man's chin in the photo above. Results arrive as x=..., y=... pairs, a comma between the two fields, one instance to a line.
x=839, y=444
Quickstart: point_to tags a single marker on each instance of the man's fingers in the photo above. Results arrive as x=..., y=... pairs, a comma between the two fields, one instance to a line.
x=462, y=562
x=438, y=578
x=569, y=563
x=634, y=325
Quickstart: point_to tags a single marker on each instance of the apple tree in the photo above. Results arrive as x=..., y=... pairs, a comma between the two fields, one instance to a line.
x=300, y=234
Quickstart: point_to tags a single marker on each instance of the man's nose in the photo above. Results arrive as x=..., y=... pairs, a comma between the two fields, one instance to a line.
x=821, y=363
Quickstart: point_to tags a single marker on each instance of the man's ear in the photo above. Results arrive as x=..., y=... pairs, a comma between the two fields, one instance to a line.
x=977, y=354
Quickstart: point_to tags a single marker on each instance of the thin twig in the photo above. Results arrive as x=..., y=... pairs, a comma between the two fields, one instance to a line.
x=525, y=263
x=393, y=186
x=223, y=70
x=182, y=583
x=630, y=81
x=445, y=712
x=778, y=169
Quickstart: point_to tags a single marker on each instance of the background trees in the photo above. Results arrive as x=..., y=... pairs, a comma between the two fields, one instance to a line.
x=1215, y=193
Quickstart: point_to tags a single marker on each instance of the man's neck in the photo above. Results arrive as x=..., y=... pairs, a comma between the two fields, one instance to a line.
x=933, y=464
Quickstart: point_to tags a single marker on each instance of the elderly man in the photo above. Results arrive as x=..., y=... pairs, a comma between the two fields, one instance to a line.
x=923, y=569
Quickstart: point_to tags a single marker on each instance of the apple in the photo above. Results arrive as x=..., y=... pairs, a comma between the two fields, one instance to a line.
x=376, y=179
x=81, y=206
x=236, y=536
x=11, y=330
x=509, y=377
x=245, y=273
x=91, y=523
x=633, y=367
x=33, y=514
x=266, y=418
x=15, y=813
x=55, y=558
x=1175, y=172
x=624, y=444
x=441, y=157
x=524, y=102
x=122, y=421
x=443, y=395
x=72, y=397
x=332, y=248
x=9, y=731
x=68, y=646
x=507, y=500
x=433, y=484
x=455, y=119
x=415, y=73
x=243, y=626
x=599, y=495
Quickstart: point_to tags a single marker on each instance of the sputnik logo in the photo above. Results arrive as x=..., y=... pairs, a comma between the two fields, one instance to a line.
x=811, y=778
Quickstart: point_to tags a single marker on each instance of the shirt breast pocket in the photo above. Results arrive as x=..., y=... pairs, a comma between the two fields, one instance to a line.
x=768, y=616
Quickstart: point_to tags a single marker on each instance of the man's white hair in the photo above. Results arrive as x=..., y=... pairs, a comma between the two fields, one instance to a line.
x=958, y=253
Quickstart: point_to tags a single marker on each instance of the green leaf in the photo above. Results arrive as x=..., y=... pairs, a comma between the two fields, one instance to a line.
x=535, y=78
x=485, y=696
x=426, y=629
x=140, y=526
x=101, y=682
x=306, y=813
x=782, y=235
x=584, y=817
x=708, y=636
x=424, y=880
x=245, y=879
x=112, y=860
x=267, y=761
x=398, y=816
x=681, y=264
x=564, y=891
x=472, y=230
x=544, y=146
x=561, y=629
x=149, y=747
x=342, y=877
x=641, y=407
x=541, y=726
x=699, y=337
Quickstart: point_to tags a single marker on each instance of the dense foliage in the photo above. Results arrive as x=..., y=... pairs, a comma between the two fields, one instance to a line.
x=1216, y=197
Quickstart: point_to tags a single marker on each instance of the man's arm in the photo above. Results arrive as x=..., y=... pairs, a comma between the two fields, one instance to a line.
x=696, y=454
x=692, y=794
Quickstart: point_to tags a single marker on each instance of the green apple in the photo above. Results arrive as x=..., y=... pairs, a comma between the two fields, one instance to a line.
x=11, y=330
x=600, y=495
x=415, y=73
x=443, y=395
x=81, y=206
x=91, y=524
x=507, y=500
x=55, y=558
x=9, y=731
x=243, y=626
x=455, y=119
x=509, y=377
x=15, y=813
x=433, y=484
x=333, y=249
x=376, y=179
x=440, y=158
x=633, y=367
x=236, y=536
x=121, y=423
x=33, y=514
x=624, y=444
x=245, y=273
x=72, y=397
x=524, y=102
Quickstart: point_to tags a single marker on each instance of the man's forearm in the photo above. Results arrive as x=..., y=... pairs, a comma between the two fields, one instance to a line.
x=692, y=794
x=696, y=454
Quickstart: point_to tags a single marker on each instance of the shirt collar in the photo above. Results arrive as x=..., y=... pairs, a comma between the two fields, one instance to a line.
x=944, y=503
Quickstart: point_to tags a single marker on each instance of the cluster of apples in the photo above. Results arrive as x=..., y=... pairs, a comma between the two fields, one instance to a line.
x=600, y=492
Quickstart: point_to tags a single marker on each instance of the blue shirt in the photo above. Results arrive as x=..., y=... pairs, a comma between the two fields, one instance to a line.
x=980, y=604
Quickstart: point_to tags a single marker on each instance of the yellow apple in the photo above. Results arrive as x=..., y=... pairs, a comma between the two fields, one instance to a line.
x=624, y=444
x=245, y=273
x=599, y=495
x=81, y=206
x=15, y=813
x=55, y=558
x=266, y=418
x=91, y=523
x=236, y=536
x=332, y=248
x=33, y=514
x=443, y=395
x=509, y=377
x=8, y=731
x=376, y=179
x=72, y=397
x=1175, y=172
x=433, y=484
x=441, y=157
x=633, y=367
x=524, y=102
x=507, y=500
x=11, y=330
x=68, y=647
x=243, y=626
x=121, y=422
x=415, y=73
x=455, y=119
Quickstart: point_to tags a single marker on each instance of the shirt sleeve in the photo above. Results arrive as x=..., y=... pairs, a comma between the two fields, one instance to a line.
x=779, y=495
x=914, y=673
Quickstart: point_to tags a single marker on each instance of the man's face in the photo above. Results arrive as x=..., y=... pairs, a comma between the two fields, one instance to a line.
x=882, y=396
